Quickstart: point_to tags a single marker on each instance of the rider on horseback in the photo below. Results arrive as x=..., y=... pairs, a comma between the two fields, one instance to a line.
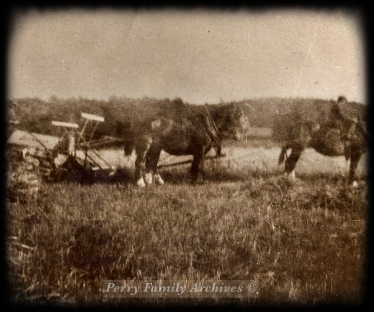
x=344, y=124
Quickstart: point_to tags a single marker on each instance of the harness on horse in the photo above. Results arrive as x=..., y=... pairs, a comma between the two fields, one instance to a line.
x=211, y=129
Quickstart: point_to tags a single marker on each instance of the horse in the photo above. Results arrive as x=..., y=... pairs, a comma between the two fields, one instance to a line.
x=194, y=134
x=340, y=136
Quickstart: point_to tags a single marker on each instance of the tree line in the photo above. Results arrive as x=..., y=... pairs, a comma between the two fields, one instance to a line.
x=36, y=115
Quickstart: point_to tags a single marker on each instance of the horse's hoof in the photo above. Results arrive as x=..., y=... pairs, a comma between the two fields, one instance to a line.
x=140, y=183
x=148, y=178
x=158, y=179
x=290, y=176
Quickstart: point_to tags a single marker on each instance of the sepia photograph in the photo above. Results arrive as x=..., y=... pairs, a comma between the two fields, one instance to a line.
x=172, y=156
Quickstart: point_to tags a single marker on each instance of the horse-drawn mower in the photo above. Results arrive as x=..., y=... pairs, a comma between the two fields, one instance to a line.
x=72, y=157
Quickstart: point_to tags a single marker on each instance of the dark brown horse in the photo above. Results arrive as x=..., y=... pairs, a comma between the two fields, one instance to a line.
x=340, y=136
x=193, y=135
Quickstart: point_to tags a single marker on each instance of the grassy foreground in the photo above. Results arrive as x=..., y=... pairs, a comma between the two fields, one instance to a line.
x=303, y=241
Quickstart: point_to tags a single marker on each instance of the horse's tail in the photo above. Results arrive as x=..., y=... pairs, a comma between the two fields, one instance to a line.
x=282, y=155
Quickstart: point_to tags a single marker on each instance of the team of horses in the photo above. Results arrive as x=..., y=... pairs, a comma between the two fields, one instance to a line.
x=196, y=133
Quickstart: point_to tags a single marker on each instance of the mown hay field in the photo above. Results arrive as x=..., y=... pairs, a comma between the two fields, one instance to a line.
x=303, y=241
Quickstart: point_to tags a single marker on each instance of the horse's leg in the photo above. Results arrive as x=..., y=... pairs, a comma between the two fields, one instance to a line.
x=355, y=158
x=292, y=160
x=153, y=156
x=157, y=176
x=283, y=153
x=197, y=166
x=139, y=168
x=201, y=171
x=141, y=149
x=148, y=177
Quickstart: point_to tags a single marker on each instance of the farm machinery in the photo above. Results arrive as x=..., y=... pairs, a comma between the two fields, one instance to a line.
x=72, y=157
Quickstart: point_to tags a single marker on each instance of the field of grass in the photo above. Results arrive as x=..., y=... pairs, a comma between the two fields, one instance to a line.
x=303, y=241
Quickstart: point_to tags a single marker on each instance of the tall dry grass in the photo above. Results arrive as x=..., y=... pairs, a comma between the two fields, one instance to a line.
x=303, y=241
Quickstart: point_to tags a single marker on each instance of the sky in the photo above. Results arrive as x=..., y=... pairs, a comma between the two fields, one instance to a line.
x=199, y=55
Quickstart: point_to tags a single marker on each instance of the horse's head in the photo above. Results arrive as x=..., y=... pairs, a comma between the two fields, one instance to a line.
x=231, y=121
